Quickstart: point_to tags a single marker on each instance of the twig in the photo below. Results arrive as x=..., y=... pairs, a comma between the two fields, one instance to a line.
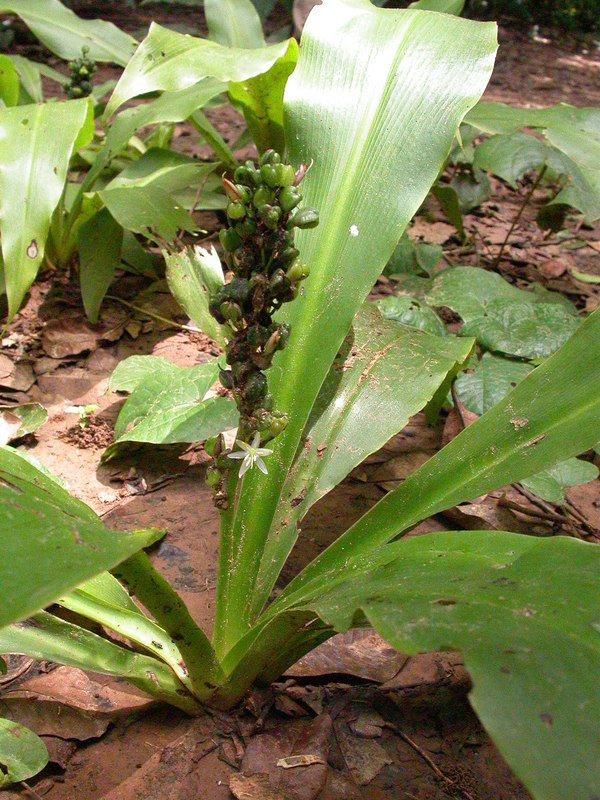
x=432, y=765
x=518, y=215
x=31, y=790
x=190, y=328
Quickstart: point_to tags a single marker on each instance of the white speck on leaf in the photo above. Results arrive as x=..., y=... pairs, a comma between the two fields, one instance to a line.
x=354, y=230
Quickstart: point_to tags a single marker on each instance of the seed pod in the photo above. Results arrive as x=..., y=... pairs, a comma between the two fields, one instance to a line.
x=257, y=335
x=262, y=197
x=239, y=289
x=277, y=280
x=86, y=87
x=84, y=72
x=246, y=176
x=256, y=387
x=270, y=157
x=229, y=239
x=270, y=175
x=304, y=218
x=287, y=176
x=289, y=198
x=226, y=378
x=213, y=476
x=295, y=271
x=278, y=424
x=271, y=216
x=236, y=211
x=245, y=228
x=231, y=311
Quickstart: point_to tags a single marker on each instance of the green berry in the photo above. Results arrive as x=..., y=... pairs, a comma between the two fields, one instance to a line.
x=270, y=157
x=271, y=216
x=229, y=239
x=287, y=176
x=295, y=272
x=305, y=218
x=289, y=198
x=270, y=175
x=262, y=197
x=236, y=211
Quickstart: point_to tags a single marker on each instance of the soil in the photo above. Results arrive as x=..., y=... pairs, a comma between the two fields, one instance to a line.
x=381, y=726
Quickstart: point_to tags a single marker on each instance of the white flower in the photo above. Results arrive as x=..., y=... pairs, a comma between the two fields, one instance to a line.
x=252, y=454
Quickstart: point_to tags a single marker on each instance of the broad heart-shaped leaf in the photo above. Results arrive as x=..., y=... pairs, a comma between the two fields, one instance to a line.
x=168, y=404
x=36, y=144
x=169, y=171
x=190, y=284
x=22, y=753
x=41, y=526
x=493, y=378
x=553, y=414
x=9, y=82
x=148, y=210
x=443, y=6
x=170, y=61
x=374, y=103
x=411, y=312
x=524, y=612
x=527, y=330
x=512, y=156
x=100, y=241
x=551, y=483
x=65, y=33
x=234, y=23
x=385, y=373
x=260, y=100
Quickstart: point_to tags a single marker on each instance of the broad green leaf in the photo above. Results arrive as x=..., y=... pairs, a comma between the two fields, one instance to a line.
x=163, y=169
x=493, y=378
x=260, y=99
x=551, y=483
x=9, y=82
x=135, y=256
x=449, y=200
x=192, y=275
x=212, y=136
x=377, y=134
x=582, y=193
x=234, y=23
x=168, y=406
x=148, y=210
x=22, y=753
x=511, y=157
x=42, y=525
x=527, y=330
x=468, y=290
x=524, y=613
x=30, y=78
x=442, y=6
x=472, y=189
x=411, y=312
x=412, y=257
x=46, y=637
x=36, y=144
x=100, y=240
x=32, y=416
x=65, y=33
x=169, y=61
x=133, y=370
x=384, y=373
x=551, y=415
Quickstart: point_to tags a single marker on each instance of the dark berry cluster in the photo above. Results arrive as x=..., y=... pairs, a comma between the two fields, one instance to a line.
x=82, y=71
x=267, y=272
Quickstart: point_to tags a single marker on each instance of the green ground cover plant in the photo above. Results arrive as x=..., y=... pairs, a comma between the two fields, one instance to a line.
x=372, y=102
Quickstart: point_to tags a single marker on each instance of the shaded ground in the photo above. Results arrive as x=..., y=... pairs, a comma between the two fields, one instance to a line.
x=378, y=726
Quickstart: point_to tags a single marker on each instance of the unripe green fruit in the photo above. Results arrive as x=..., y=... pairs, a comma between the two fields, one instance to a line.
x=84, y=72
x=213, y=476
x=277, y=280
x=244, y=192
x=236, y=211
x=226, y=378
x=246, y=176
x=270, y=175
x=245, y=228
x=262, y=197
x=229, y=239
x=289, y=254
x=270, y=157
x=256, y=387
x=305, y=218
x=287, y=176
x=271, y=216
x=295, y=271
x=289, y=198
x=231, y=311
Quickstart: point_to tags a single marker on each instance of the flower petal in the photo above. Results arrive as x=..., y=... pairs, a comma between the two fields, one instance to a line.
x=238, y=454
x=246, y=465
x=261, y=465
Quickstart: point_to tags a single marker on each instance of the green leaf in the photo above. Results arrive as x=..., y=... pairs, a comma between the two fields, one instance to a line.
x=46, y=637
x=411, y=257
x=36, y=145
x=524, y=613
x=30, y=78
x=22, y=753
x=260, y=99
x=448, y=198
x=65, y=33
x=134, y=370
x=148, y=210
x=493, y=378
x=370, y=124
x=168, y=406
x=9, y=82
x=234, y=23
x=472, y=189
x=443, y=6
x=100, y=240
x=192, y=275
x=511, y=157
x=162, y=169
x=33, y=505
x=551, y=483
x=411, y=312
x=169, y=61
x=553, y=414
x=32, y=416
x=527, y=330
x=386, y=373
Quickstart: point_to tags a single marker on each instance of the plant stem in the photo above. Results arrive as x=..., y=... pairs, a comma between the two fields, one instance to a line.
x=226, y=561
x=519, y=213
x=169, y=610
